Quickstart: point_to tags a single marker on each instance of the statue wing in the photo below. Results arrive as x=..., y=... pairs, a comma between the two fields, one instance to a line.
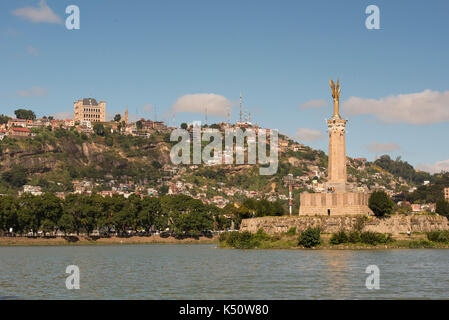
x=332, y=85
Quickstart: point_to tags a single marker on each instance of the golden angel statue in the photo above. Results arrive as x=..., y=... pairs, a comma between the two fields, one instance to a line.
x=336, y=95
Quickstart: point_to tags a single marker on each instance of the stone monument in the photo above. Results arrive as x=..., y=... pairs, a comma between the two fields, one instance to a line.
x=338, y=198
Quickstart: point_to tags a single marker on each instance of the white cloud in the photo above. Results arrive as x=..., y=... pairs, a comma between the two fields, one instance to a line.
x=43, y=13
x=376, y=147
x=216, y=105
x=32, y=51
x=314, y=104
x=308, y=135
x=437, y=167
x=33, y=92
x=425, y=107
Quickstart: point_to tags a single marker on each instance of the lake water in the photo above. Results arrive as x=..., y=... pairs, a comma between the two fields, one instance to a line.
x=205, y=272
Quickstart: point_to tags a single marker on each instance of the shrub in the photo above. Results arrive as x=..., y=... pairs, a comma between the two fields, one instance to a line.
x=223, y=237
x=354, y=237
x=245, y=240
x=438, y=236
x=420, y=244
x=380, y=203
x=309, y=238
x=261, y=235
x=239, y=240
x=374, y=238
x=291, y=231
x=339, y=237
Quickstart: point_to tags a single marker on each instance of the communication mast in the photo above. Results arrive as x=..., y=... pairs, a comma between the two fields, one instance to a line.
x=240, y=107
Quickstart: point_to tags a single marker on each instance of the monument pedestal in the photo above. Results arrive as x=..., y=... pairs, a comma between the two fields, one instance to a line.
x=334, y=204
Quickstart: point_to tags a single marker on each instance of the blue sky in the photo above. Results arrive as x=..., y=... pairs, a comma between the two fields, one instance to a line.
x=279, y=54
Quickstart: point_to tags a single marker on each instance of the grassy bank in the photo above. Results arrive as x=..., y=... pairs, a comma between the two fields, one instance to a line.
x=82, y=240
x=314, y=239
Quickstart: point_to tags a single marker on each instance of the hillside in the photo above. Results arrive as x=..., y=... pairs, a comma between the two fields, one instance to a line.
x=63, y=159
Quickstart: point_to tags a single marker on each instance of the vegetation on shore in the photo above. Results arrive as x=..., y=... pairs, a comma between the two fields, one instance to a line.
x=79, y=214
x=313, y=238
x=86, y=241
x=179, y=215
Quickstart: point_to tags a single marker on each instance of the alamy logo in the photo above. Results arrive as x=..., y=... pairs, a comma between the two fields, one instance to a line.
x=72, y=281
x=373, y=280
x=73, y=20
x=256, y=143
x=373, y=20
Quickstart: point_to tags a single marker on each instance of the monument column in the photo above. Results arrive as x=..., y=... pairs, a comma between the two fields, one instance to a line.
x=337, y=145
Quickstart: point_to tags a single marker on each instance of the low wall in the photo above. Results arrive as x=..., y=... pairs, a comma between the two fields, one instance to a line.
x=394, y=224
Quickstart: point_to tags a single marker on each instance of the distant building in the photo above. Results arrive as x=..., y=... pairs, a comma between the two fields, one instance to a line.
x=89, y=109
x=152, y=192
x=17, y=123
x=446, y=194
x=34, y=190
x=146, y=124
x=86, y=123
x=19, y=132
x=159, y=125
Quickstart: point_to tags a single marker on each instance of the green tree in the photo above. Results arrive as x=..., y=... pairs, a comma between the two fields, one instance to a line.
x=117, y=117
x=25, y=114
x=67, y=223
x=8, y=213
x=99, y=129
x=149, y=211
x=184, y=126
x=51, y=210
x=29, y=214
x=380, y=203
x=442, y=207
x=163, y=190
x=310, y=238
x=4, y=119
x=156, y=164
x=16, y=177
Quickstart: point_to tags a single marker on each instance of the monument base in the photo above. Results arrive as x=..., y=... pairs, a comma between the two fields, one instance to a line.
x=338, y=187
x=334, y=204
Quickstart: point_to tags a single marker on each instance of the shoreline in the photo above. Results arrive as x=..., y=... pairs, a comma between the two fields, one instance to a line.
x=87, y=241
x=287, y=244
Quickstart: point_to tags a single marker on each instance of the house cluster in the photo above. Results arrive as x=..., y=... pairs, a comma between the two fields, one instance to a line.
x=34, y=190
x=419, y=207
x=23, y=128
x=143, y=128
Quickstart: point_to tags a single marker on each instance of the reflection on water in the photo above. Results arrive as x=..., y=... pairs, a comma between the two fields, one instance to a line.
x=204, y=272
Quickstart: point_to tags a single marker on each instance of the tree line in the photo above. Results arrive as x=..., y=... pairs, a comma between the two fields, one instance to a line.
x=77, y=214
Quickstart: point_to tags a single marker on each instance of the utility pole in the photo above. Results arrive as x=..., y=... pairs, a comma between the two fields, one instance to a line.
x=290, y=197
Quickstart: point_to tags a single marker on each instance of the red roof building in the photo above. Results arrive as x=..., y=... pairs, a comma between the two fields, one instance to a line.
x=20, y=132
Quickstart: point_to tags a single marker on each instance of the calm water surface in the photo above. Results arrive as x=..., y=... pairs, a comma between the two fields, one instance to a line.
x=205, y=272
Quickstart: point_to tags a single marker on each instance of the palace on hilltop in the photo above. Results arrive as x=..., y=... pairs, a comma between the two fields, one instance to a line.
x=88, y=109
